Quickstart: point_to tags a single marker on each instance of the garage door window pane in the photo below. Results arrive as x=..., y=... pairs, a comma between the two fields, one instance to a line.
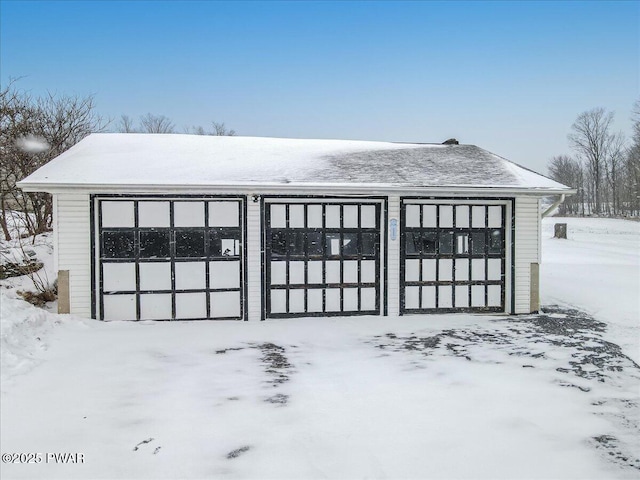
x=412, y=270
x=118, y=245
x=368, y=216
x=350, y=244
x=428, y=270
x=494, y=269
x=369, y=244
x=350, y=216
x=495, y=217
x=462, y=296
x=279, y=243
x=429, y=216
x=462, y=243
x=117, y=214
x=155, y=306
x=314, y=244
x=119, y=277
x=350, y=271
x=314, y=216
x=314, y=272
x=154, y=244
x=224, y=214
x=155, y=276
x=225, y=304
x=495, y=241
x=368, y=271
x=477, y=296
x=478, y=217
x=367, y=299
x=278, y=301
x=188, y=214
x=493, y=296
x=191, y=305
x=446, y=216
x=224, y=274
x=278, y=273
x=445, y=296
x=350, y=299
x=190, y=275
x=462, y=269
x=224, y=242
x=462, y=216
x=333, y=271
x=296, y=272
x=477, y=243
x=332, y=216
x=296, y=301
x=314, y=300
x=333, y=299
x=153, y=214
x=446, y=243
x=119, y=307
x=189, y=243
x=429, y=297
x=296, y=216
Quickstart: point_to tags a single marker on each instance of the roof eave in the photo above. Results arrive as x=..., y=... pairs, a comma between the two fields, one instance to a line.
x=264, y=188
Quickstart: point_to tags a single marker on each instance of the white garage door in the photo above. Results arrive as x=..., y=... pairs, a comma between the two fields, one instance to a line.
x=322, y=259
x=170, y=259
x=453, y=257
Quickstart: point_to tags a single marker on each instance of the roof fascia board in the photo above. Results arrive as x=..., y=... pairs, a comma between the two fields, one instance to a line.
x=360, y=189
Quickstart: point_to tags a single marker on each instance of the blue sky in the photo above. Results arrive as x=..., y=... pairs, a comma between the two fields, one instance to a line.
x=508, y=76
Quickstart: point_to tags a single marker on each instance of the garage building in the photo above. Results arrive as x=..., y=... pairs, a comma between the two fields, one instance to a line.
x=187, y=227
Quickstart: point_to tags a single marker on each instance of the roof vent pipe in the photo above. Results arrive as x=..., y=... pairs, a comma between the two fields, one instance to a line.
x=451, y=141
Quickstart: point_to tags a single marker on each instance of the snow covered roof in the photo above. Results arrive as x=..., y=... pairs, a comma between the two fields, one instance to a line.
x=133, y=160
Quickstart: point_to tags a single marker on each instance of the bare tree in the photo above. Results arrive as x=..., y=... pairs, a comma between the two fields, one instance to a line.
x=32, y=132
x=125, y=125
x=219, y=129
x=156, y=124
x=593, y=142
x=568, y=171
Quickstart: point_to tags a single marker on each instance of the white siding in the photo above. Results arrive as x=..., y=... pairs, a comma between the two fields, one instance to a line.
x=393, y=261
x=527, y=249
x=73, y=248
x=254, y=261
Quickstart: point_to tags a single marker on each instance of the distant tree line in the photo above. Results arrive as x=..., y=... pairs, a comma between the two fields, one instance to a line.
x=604, y=167
x=35, y=129
x=150, y=123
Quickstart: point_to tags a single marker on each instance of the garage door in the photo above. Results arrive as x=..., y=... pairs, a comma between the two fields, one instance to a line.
x=453, y=257
x=322, y=259
x=178, y=259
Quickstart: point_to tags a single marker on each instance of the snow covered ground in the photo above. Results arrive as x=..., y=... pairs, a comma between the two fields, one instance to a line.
x=447, y=396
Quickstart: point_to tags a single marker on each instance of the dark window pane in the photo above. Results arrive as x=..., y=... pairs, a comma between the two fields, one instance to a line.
x=428, y=243
x=296, y=244
x=350, y=244
x=370, y=244
x=314, y=244
x=190, y=243
x=333, y=244
x=224, y=242
x=462, y=243
x=154, y=244
x=477, y=243
x=117, y=245
x=279, y=243
x=412, y=243
x=495, y=241
x=446, y=243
